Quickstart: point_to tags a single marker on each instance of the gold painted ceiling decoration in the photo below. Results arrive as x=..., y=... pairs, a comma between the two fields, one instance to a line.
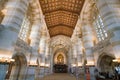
x=61, y=15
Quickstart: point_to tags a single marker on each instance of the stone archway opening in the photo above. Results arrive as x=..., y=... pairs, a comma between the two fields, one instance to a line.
x=60, y=62
x=60, y=58
x=19, y=68
x=105, y=63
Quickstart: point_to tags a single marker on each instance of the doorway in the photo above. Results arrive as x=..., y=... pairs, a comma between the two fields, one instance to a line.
x=18, y=70
x=105, y=63
x=60, y=63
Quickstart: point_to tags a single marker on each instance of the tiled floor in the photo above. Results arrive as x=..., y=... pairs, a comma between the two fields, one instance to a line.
x=60, y=76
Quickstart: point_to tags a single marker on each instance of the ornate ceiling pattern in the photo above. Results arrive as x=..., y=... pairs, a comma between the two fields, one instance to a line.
x=61, y=15
x=60, y=41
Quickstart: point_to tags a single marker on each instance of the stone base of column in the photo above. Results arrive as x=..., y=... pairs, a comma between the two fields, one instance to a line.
x=42, y=72
x=91, y=73
x=47, y=71
x=73, y=70
x=82, y=73
x=31, y=73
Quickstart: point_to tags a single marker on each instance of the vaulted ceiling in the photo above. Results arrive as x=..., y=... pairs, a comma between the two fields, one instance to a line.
x=61, y=15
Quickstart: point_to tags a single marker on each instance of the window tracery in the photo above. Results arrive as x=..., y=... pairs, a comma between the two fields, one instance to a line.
x=99, y=27
x=25, y=30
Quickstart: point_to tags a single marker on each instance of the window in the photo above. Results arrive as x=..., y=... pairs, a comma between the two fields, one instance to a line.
x=25, y=30
x=99, y=26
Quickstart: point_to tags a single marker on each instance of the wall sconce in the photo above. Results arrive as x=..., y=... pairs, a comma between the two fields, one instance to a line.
x=5, y=60
x=74, y=65
x=116, y=60
x=90, y=63
x=47, y=65
x=79, y=64
x=33, y=64
x=42, y=64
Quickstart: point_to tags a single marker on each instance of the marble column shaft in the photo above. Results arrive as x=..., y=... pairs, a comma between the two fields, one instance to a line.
x=79, y=50
x=88, y=42
x=35, y=35
x=42, y=49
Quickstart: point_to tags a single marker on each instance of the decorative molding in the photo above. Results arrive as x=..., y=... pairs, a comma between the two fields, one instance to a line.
x=22, y=46
x=101, y=45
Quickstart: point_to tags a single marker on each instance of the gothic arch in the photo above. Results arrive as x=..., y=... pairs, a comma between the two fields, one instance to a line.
x=60, y=52
x=104, y=62
x=19, y=68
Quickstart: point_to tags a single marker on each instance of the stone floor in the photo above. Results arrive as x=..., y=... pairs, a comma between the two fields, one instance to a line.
x=60, y=76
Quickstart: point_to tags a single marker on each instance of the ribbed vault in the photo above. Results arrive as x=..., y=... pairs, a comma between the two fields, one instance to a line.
x=61, y=15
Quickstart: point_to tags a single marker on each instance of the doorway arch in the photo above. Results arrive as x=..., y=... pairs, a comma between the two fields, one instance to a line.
x=60, y=61
x=61, y=55
x=19, y=68
x=104, y=62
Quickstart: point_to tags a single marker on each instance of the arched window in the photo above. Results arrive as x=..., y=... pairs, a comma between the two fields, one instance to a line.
x=99, y=25
x=25, y=30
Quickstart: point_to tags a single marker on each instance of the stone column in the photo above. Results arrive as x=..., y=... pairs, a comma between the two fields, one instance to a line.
x=47, y=65
x=47, y=48
x=42, y=47
x=74, y=58
x=51, y=60
x=79, y=51
x=47, y=58
x=31, y=73
x=35, y=38
x=14, y=14
x=109, y=12
x=88, y=44
x=70, y=60
x=35, y=34
x=75, y=51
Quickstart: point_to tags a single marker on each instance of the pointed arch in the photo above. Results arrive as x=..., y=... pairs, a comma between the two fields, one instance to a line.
x=105, y=60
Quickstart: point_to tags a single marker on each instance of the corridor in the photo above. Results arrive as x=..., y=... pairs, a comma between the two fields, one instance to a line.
x=60, y=76
x=48, y=39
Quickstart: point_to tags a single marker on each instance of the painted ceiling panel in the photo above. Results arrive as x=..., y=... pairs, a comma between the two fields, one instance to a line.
x=61, y=15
